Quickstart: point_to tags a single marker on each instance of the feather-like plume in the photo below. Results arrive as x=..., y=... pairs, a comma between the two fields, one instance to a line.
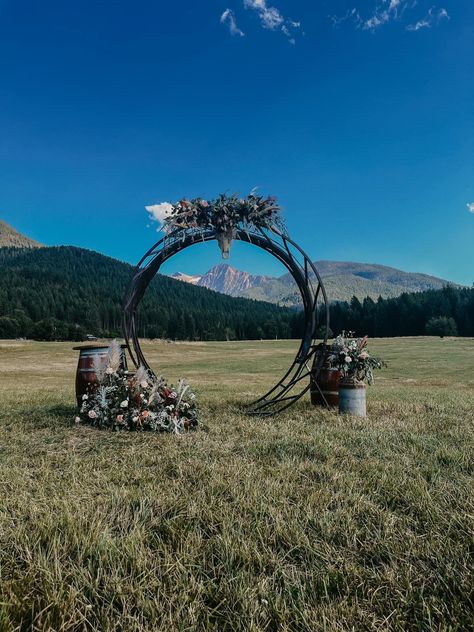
x=114, y=356
x=99, y=368
x=141, y=375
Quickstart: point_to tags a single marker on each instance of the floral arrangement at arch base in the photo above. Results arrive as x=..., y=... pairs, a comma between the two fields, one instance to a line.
x=140, y=401
x=352, y=358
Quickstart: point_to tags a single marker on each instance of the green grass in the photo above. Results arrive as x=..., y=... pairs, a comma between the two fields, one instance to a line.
x=306, y=522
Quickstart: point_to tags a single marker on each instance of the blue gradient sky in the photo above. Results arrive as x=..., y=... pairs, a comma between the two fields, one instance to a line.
x=363, y=127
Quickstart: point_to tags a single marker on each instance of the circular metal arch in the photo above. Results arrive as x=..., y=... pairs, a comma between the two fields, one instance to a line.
x=295, y=382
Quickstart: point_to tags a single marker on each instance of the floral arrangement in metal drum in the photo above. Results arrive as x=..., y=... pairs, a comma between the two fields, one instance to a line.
x=140, y=401
x=225, y=215
x=353, y=359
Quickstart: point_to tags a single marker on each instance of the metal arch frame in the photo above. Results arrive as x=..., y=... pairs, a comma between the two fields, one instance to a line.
x=291, y=387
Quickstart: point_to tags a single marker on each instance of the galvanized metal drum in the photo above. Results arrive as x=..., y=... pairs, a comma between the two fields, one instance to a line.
x=86, y=378
x=352, y=399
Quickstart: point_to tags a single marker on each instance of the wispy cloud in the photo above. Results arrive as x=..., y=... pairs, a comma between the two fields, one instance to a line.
x=386, y=11
x=432, y=17
x=351, y=15
x=470, y=207
x=228, y=18
x=272, y=19
x=159, y=212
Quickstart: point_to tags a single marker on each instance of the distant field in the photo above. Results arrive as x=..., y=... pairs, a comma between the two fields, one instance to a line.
x=306, y=522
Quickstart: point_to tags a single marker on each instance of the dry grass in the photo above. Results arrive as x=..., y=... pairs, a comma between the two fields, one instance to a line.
x=306, y=522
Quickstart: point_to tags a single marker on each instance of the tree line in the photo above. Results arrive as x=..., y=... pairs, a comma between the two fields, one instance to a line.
x=65, y=293
x=445, y=312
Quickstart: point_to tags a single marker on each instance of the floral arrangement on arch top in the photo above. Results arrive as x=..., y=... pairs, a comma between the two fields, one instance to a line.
x=352, y=358
x=224, y=216
x=140, y=401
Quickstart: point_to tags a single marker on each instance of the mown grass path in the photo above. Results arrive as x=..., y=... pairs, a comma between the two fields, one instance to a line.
x=308, y=522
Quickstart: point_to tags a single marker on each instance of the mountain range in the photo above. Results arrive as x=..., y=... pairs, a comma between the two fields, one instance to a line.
x=65, y=293
x=11, y=238
x=342, y=281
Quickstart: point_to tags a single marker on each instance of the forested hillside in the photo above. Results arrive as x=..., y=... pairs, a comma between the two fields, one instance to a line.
x=62, y=293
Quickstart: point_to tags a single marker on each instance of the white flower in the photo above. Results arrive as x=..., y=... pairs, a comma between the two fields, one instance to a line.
x=77, y=420
x=92, y=414
x=145, y=401
x=142, y=396
x=124, y=404
x=348, y=359
x=109, y=370
x=135, y=419
x=84, y=397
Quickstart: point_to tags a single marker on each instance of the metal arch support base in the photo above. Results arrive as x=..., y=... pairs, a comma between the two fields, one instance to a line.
x=295, y=382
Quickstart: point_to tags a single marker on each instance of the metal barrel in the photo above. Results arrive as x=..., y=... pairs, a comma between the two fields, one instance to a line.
x=327, y=380
x=86, y=378
x=352, y=399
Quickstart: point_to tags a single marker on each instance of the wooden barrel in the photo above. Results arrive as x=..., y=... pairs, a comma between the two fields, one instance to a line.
x=86, y=378
x=325, y=380
x=328, y=381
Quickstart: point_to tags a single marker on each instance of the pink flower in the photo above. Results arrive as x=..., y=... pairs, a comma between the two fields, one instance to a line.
x=363, y=355
x=145, y=414
x=92, y=414
x=143, y=383
x=120, y=418
x=172, y=395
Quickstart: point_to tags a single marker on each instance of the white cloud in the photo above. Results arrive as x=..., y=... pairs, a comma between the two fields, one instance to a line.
x=432, y=17
x=351, y=15
x=470, y=207
x=159, y=212
x=228, y=18
x=272, y=19
x=386, y=11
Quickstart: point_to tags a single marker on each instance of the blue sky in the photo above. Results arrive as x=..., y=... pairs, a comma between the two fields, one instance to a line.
x=357, y=115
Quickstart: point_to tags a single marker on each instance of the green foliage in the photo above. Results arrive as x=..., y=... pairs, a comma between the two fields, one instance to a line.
x=63, y=293
x=408, y=314
x=441, y=326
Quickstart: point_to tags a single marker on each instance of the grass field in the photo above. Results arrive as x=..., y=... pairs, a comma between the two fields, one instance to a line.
x=306, y=522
